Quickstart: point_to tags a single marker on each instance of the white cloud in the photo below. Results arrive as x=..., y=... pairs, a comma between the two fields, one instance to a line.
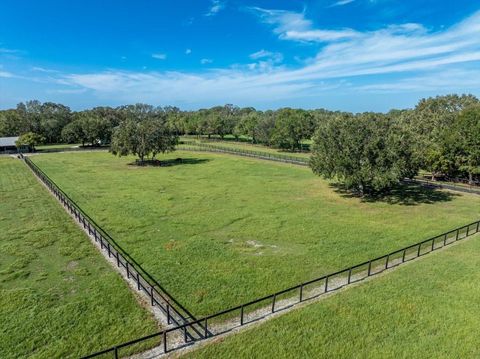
x=4, y=50
x=466, y=80
x=341, y=3
x=42, y=69
x=290, y=25
x=403, y=57
x=188, y=51
x=215, y=8
x=264, y=54
x=159, y=56
x=6, y=74
x=265, y=60
x=206, y=61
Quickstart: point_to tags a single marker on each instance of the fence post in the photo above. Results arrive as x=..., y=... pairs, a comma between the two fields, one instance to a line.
x=165, y=341
x=369, y=268
x=386, y=263
x=273, y=303
x=478, y=225
x=445, y=240
x=118, y=259
x=418, y=251
x=151, y=296
x=468, y=229
x=108, y=248
x=456, y=236
x=301, y=292
x=138, y=281
x=128, y=270
x=168, y=313
x=206, y=328
x=403, y=256
x=433, y=244
x=241, y=315
x=116, y=352
x=326, y=285
x=349, y=275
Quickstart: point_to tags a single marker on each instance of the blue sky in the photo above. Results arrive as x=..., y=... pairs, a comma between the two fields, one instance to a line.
x=354, y=55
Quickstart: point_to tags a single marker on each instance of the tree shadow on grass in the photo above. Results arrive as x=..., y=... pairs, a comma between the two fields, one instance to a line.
x=407, y=194
x=169, y=162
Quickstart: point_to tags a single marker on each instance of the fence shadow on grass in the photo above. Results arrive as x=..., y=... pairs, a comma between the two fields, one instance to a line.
x=407, y=194
x=169, y=162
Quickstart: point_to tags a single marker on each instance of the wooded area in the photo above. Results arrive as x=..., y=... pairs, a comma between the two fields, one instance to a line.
x=366, y=151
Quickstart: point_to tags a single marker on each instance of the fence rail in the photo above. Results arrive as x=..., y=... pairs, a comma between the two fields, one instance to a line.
x=175, y=313
x=189, y=330
x=475, y=189
x=246, y=153
x=219, y=323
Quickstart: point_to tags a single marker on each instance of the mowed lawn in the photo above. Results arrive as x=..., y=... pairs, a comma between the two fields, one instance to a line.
x=248, y=147
x=59, y=298
x=426, y=309
x=220, y=230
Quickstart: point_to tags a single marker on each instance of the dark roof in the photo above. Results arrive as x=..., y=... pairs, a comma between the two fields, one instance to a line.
x=8, y=141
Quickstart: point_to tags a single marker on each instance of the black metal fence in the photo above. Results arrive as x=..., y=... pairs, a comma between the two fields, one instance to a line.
x=219, y=323
x=175, y=313
x=475, y=189
x=189, y=330
x=246, y=153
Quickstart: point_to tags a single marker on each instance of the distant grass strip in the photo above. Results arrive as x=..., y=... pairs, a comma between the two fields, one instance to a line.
x=428, y=309
x=58, y=295
x=247, y=147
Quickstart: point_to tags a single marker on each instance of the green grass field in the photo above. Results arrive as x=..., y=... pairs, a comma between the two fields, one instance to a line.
x=426, y=309
x=248, y=147
x=58, y=146
x=59, y=297
x=220, y=230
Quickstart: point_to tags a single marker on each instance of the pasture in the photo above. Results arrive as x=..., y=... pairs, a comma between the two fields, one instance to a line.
x=245, y=146
x=219, y=230
x=58, y=295
x=426, y=309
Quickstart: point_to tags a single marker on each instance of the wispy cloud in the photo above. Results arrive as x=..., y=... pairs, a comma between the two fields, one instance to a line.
x=341, y=3
x=206, y=61
x=290, y=25
x=215, y=7
x=159, y=56
x=264, y=54
x=188, y=51
x=403, y=57
x=4, y=50
x=437, y=80
x=6, y=74
x=43, y=69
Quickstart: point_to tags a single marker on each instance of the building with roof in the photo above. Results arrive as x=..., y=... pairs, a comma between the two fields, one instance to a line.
x=7, y=145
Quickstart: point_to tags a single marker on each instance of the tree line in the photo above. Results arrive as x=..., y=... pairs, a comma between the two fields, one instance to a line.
x=366, y=151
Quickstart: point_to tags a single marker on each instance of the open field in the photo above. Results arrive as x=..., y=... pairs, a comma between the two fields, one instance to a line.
x=58, y=296
x=427, y=309
x=58, y=146
x=220, y=230
x=248, y=147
